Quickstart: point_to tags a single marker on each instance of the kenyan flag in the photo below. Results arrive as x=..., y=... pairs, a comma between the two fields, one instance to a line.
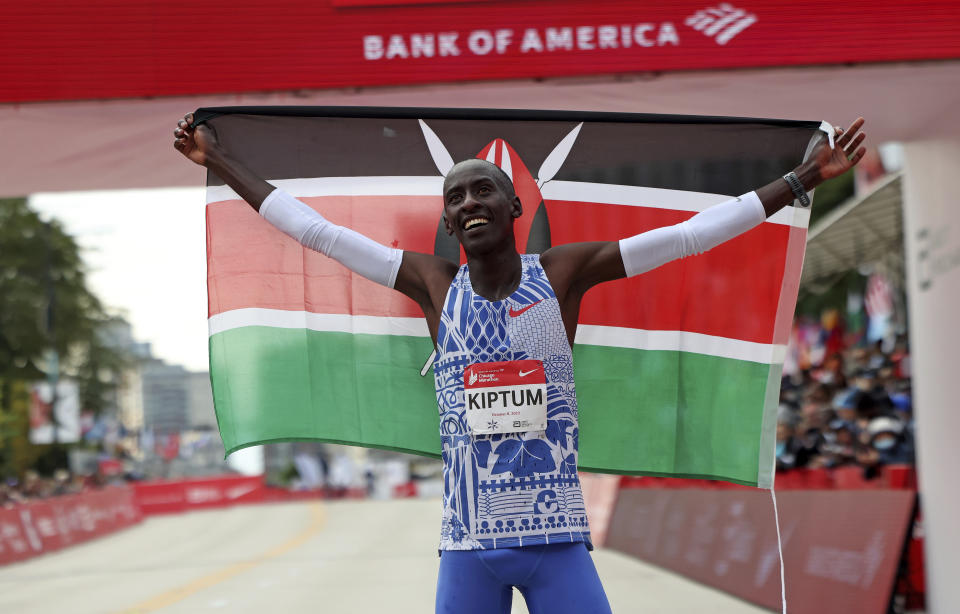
x=677, y=370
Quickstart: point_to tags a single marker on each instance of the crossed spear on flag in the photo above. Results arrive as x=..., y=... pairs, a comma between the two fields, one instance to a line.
x=533, y=230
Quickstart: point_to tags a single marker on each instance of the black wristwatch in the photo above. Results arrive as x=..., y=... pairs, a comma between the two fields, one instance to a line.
x=797, y=188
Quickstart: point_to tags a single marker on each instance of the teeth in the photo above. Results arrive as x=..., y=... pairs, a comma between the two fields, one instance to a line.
x=475, y=222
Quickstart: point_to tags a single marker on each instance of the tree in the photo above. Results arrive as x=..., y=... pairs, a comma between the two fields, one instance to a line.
x=45, y=306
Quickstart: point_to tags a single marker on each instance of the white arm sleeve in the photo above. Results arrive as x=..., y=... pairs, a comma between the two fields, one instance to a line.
x=358, y=253
x=702, y=232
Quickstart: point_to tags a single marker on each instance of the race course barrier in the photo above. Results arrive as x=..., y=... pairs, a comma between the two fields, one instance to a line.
x=181, y=495
x=842, y=542
x=171, y=496
x=37, y=527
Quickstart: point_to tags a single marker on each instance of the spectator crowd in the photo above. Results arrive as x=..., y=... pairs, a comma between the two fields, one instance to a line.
x=33, y=486
x=853, y=408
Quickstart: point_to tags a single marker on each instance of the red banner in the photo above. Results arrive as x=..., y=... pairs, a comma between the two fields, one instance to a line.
x=900, y=477
x=600, y=493
x=44, y=526
x=74, y=49
x=161, y=496
x=840, y=548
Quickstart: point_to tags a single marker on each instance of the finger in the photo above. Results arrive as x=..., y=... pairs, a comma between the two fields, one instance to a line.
x=851, y=132
x=189, y=118
x=844, y=139
x=859, y=154
x=849, y=151
x=857, y=140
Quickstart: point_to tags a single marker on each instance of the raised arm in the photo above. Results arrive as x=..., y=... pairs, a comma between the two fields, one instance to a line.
x=200, y=145
x=422, y=277
x=575, y=268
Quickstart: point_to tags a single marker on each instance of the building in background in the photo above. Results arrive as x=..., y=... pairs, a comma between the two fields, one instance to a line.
x=200, y=413
x=166, y=396
x=118, y=334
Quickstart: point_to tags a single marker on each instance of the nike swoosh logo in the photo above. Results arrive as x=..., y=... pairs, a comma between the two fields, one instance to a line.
x=526, y=373
x=514, y=314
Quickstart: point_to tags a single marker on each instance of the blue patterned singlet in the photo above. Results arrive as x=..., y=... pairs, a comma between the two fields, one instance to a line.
x=517, y=489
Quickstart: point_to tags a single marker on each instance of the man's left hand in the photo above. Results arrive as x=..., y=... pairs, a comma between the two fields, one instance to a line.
x=844, y=155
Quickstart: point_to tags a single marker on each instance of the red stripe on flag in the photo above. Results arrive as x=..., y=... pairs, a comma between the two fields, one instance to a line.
x=251, y=264
x=732, y=291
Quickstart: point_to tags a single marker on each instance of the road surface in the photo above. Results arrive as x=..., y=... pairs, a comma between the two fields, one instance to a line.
x=330, y=556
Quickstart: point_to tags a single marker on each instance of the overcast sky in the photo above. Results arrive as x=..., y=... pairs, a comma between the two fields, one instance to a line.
x=146, y=255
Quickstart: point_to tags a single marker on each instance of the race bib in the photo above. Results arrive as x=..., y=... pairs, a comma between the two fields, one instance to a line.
x=505, y=397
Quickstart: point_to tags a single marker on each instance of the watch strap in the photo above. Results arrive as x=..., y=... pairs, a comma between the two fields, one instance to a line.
x=797, y=188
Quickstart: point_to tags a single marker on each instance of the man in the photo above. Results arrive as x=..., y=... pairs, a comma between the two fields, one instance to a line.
x=503, y=327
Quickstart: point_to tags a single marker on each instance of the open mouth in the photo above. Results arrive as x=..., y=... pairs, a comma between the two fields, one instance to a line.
x=475, y=222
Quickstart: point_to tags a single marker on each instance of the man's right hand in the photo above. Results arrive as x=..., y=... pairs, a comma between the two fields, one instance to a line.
x=195, y=144
x=200, y=146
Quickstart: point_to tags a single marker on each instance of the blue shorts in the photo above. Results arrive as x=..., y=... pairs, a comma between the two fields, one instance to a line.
x=554, y=579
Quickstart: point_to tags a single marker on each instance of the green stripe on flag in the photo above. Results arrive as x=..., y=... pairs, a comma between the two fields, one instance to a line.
x=670, y=413
x=285, y=384
x=666, y=412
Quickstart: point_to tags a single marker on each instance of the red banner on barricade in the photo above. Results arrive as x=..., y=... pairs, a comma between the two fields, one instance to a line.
x=44, y=526
x=851, y=477
x=163, y=497
x=600, y=496
x=840, y=548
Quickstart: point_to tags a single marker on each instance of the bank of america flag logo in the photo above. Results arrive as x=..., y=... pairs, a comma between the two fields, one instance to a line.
x=722, y=22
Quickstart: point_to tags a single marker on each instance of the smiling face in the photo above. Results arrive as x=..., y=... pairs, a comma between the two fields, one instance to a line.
x=479, y=206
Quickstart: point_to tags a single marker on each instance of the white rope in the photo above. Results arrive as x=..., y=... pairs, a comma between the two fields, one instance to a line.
x=783, y=584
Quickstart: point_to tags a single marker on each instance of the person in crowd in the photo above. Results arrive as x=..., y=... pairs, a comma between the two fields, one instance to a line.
x=888, y=446
x=841, y=445
x=845, y=404
x=831, y=373
x=10, y=494
x=786, y=446
x=901, y=358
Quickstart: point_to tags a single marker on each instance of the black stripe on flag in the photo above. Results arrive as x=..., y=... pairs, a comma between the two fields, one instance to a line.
x=704, y=154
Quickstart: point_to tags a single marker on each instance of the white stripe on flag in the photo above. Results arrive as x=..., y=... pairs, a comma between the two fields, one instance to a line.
x=609, y=336
x=680, y=341
x=576, y=191
x=324, y=322
x=659, y=198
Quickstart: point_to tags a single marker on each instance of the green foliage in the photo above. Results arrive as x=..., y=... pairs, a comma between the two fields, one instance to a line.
x=16, y=451
x=830, y=194
x=45, y=305
x=829, y=293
